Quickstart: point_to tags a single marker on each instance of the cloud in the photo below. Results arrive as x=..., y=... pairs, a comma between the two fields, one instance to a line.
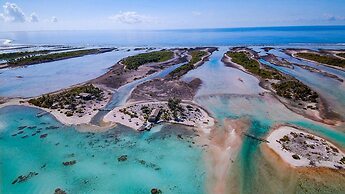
x=12, y=13
x=33, y=18
x=54, y=19
x=196, y=13
x=333, y=18
x=130, y=17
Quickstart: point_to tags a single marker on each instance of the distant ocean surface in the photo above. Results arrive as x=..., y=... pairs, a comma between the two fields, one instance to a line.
x=199, y=37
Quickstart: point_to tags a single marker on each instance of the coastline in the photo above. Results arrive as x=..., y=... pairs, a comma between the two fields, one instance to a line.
x=320, y=115
x=301, y=161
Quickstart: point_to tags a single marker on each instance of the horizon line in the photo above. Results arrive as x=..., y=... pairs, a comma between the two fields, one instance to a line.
x=182, y=29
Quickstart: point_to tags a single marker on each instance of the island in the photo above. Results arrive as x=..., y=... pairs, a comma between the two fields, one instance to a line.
x=302, y=149
x=73, y=106
x=143, y=115
x=36, y=57
x=291, y=92
x=330, y=58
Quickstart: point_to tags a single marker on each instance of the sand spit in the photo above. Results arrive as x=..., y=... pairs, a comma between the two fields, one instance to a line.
x=222, y=146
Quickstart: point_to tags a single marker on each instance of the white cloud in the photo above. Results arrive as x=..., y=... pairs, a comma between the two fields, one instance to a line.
x=34, y=17
x=130, y=17
x=333, y=18
x=12, y=13
x=196, y=13
x=54, y=19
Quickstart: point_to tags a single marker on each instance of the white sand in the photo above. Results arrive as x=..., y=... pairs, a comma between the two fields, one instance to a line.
x=115, y=116
x=61, y=117
x=287, y=155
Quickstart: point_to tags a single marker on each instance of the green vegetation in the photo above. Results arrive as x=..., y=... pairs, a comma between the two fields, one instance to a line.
x=295, y=90
x=285, y=138
x=174, y=106
x=196, y=57
x=8, y=56
x=73, y=99
x=286, y=87
x=29, y=60
x=133, y=62
x=296, y=157
x=324, y=59
x=341, y=55
x=253, y=66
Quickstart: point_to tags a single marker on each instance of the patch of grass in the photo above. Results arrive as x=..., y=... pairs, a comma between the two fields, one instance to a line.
x=341, y=55
x=35, y=59
x=329, y=60
x=295, y=90
x=133, y=62
x=253, y=66
x=8, y=56
x=196, y=57
x=67, y=99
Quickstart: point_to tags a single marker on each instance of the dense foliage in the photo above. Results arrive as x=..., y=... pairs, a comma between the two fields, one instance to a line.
x=286, y=87
x=196, y=57
x=8, y=56
x=324, y=59
x=29, y=60
x=253, y=66
x=295, y=90
x=133, y=62
x=67, y=99
x=341, y=55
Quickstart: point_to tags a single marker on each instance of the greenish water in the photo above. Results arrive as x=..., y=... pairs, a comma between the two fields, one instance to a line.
x=157, y=159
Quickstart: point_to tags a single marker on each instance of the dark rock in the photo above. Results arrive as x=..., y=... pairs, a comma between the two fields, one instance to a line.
x=23, y=178
x=59, y=191
x=69, y=163
x=122, y=158
x=156, y=191
x=43, y=135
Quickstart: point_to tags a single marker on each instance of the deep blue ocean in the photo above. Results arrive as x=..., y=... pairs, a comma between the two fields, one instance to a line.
x=198, y=37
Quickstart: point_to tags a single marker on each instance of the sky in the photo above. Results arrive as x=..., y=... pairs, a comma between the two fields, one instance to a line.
x=33, y=15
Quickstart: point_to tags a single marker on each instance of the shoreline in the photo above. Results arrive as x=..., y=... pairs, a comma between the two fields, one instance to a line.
x=297, y=160
x=316, y=115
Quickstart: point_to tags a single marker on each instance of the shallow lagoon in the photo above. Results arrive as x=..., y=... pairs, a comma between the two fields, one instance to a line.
x=155, y=159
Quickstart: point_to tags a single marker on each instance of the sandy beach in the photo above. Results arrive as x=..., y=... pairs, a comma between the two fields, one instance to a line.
x=325, y=156
x=204, y=122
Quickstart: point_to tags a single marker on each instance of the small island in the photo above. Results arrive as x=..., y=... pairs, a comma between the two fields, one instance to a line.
x=301, y=149
x=330, y=58
x=290, y=91
x=143, y=115
x=36, y=57
x=76, y=105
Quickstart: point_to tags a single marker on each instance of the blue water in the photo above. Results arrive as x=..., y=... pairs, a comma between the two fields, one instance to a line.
x=48, y=77
x=225, y=36
x=155, y=160
x=181, y=163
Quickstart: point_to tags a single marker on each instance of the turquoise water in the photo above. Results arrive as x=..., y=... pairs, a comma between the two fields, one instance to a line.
x=158, y=159
x=263, y=113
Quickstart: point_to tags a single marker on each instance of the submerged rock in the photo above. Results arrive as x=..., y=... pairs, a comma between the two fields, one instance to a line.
x=122, y=158
x=59, y=191
x=43, y=135
x=23, y=178
x=69, y=163
x=156, y=191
